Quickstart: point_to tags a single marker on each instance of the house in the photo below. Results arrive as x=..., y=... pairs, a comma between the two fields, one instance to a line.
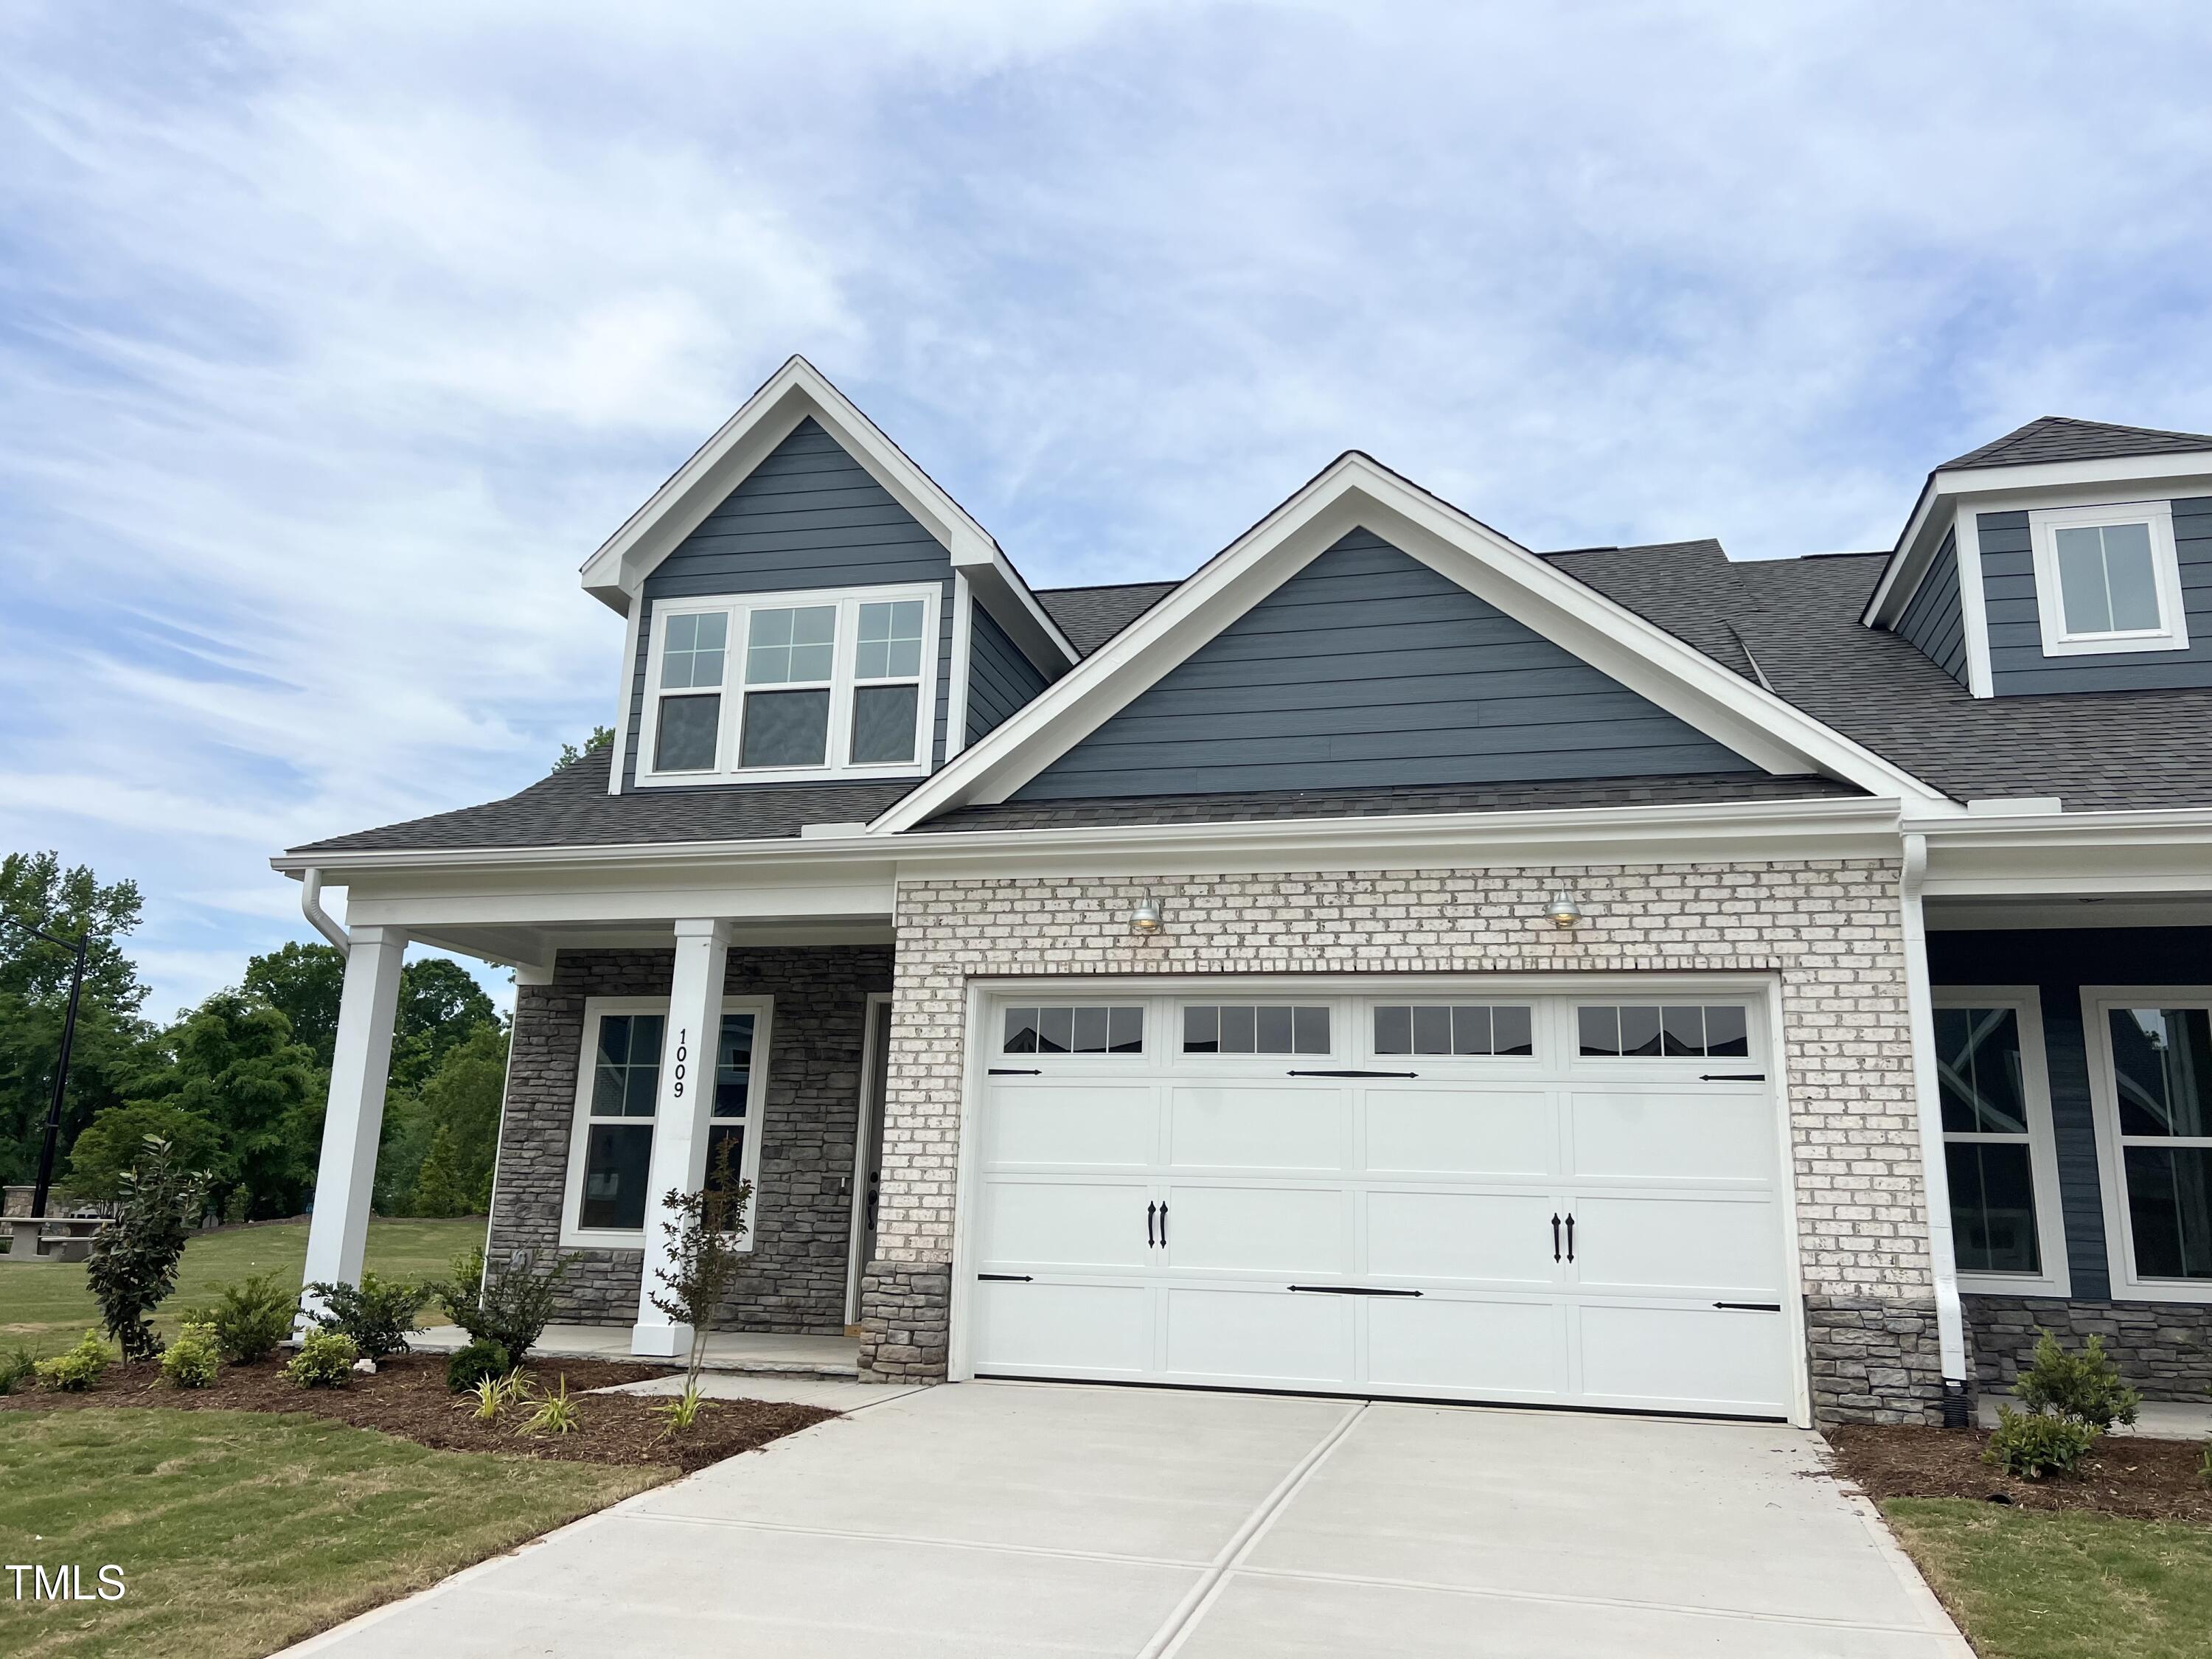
x=1389, y=960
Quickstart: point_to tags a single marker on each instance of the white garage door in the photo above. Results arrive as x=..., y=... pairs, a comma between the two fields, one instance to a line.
x=1554, y=1199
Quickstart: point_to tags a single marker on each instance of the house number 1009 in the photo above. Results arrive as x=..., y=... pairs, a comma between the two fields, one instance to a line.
x=682, y=1053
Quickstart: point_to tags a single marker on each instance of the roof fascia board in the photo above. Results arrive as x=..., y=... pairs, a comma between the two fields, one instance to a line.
x=797, y=389
x=1356, y=490
x=993, y=581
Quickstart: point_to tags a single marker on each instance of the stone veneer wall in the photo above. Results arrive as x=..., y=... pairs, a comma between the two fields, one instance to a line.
x=2164, y=1349
x=1829, y=928
x=802, y=1222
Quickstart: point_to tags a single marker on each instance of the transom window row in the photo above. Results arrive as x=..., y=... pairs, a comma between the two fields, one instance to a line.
x=1681, y=1030
x=1082, y=1029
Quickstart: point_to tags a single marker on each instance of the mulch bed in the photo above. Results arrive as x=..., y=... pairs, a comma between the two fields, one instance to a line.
x=2144, y=1480
x=407, y=1397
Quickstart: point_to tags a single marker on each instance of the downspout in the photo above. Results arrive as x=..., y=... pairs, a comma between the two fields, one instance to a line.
x=311, y=905
x=1920, y=1011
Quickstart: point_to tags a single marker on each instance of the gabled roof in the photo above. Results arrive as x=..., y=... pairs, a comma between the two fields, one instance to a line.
x=1092, y=616
x=2059, y=438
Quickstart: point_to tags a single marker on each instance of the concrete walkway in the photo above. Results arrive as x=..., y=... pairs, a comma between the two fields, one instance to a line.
x=2158, y=1419
x=1015, y=1520
x=726, y=1351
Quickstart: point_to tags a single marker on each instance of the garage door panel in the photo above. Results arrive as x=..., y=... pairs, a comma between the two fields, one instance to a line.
x=1256, y=1229
x=1491, y=1237
x=1065, y=1224
x=1259, y=1336
x=1072, y=1125
x=1258, y=1126
x=1663, y=1134
x=1463, y=1132
x=1663, y=1242
x=1500, y=1349
x=1095, y=1329
x=1684, y=1358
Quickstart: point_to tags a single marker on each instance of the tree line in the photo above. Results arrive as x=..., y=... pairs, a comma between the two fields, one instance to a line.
x=238, y=1083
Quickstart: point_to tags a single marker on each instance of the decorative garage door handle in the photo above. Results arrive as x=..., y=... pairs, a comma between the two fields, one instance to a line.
x=1751, y=1307
x=1570, y=1235
x=1005, y=1279
x=1731, y=1077
x=1349, y=1290
x=1351, y=1075
x=1164, y=1223
x=1017, y=1070
x=1555, y=1235
x=1150, y=1211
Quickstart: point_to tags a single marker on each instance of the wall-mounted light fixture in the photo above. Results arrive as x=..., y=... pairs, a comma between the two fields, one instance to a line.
x=1566, y=915
x=1144, y=920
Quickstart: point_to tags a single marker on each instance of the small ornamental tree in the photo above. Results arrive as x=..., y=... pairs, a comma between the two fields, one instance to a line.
x=134, y=1261
x=702, y=1229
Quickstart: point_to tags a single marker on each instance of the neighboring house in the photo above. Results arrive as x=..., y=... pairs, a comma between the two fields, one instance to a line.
x=1165, y=982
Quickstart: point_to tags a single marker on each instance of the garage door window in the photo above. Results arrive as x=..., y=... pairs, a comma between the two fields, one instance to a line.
x=1243, y=1029
x=1085, y=1029
x=1644, y=1031
x=1464, y=1029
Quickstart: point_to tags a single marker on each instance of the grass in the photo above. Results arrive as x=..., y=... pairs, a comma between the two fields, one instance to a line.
x=2070, y=1585
x=46, y=1305
x=239, y=1532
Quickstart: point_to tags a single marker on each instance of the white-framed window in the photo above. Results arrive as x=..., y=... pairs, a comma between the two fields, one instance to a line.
x=2107, y=580
x=2000, y=1160
x=1083, y=1027
x=1262, y=1027
x=609, y=1197
x=2150, y=1083
x=769, y=688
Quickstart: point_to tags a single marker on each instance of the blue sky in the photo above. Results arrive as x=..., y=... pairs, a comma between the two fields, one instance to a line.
x=334, y=338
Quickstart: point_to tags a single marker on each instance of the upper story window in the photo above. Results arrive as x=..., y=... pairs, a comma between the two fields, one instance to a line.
x=2106, y=580
x=773, y=688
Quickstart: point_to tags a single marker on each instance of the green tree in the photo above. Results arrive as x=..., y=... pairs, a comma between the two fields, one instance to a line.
x=110, y=1034
x=601, y=738
x=439, y=1006
x=460, y=1103
x=113, y=1142
x=231, y=1061
x=305, y=981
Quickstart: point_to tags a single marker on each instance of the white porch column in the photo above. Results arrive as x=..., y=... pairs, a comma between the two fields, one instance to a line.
x=679, y=1145
x=1920, y=1005
x=360, y=1062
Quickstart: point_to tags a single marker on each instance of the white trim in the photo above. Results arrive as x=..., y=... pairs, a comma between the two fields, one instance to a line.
x=1973, y=604
x=2060, y=641
x=739, y=608
x=624, y=735
x=2026, y=1004
x=1017, y=609
x=964, y=647
x=1355, y=492
x=871, y=1107
x=574, y=1234
x=1935, y=1183
x=2127, y=1285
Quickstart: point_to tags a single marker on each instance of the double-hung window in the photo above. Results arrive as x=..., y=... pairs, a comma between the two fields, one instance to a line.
x=610, y=1193
x=775, y=688
x=2107, y=580
x=2000, y=1161
x=2151, y=1083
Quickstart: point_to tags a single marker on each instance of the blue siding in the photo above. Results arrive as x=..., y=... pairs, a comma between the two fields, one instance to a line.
x=2059, y=962
x=1000, y=679
x=2017, y=665
x=1935, y=620
x=1369, y=668
x=808, y=516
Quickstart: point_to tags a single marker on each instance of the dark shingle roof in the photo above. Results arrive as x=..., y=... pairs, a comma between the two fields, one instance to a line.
x=1259, y=804
x=571, y=808
x=1092, y=616
x=2056, y=438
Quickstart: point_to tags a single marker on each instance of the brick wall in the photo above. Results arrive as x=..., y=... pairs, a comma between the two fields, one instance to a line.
x=1829, y=928
x=802, y=1221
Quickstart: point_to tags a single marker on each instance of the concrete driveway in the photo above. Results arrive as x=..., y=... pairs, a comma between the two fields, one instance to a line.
x=1010, y=1519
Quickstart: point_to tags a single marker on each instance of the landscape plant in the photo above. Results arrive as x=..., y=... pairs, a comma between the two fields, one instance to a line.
x=702, y=1229
x=324, y=1360
x=76, y=1370
x=191, y=1361
x=470, y=1364
x=250, y=1319
x=511, y=1307
x=133, y=1263
x=2032, y=1444
x=493, y=1394
x=17, y=1369
x=377, y=1314
x=555, y=1412
x=2085, y=1387
x=682, y=1412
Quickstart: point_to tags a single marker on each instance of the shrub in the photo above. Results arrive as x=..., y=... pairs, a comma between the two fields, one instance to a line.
x=702, y=1229
x=511, y=1308
x=134, y=1263
x=556, y=1413
x=470, y=1366
x=2085, y=1387
x=324, y=1360
x=77, y=1370
x=250, y=1319
x=17, y=1369
x=2031, y=1444
x=193, y=1358
x=377, y=1313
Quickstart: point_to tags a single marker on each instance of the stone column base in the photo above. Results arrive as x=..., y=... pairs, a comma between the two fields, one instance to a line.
x=1874, y=1359
x=906, y=1322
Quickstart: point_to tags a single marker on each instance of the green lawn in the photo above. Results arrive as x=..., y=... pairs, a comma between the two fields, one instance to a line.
x=46, y=1306
x=239, y=1532
x=2029, y=1584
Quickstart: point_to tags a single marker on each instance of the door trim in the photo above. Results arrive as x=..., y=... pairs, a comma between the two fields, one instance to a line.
x=871, y=1108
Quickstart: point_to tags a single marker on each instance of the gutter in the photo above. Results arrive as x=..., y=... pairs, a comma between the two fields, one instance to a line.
x=311, y=905
x=1920, y=1011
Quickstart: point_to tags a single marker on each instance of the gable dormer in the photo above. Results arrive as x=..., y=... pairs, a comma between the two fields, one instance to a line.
x=2068, y=556
x=806, y=606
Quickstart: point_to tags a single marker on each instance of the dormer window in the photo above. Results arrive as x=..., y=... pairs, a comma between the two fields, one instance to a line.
x=2106, y=580
x=776, y=688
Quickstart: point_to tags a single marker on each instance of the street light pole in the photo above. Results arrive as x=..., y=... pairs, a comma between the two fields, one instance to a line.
x=61, y=1067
